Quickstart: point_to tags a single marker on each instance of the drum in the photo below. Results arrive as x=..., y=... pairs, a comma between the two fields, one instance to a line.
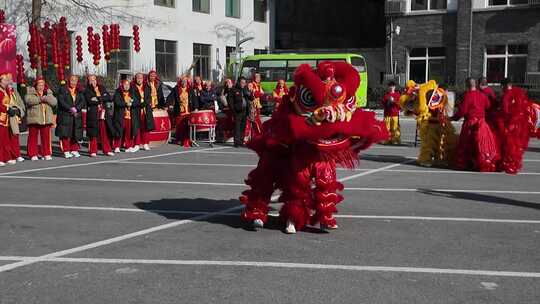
x=162, y=128
x=203, y=120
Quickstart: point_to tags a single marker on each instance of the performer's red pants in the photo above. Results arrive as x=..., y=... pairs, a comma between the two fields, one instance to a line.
x=143, y=136
x=15, y=145
x=68, y=144
x=6, y=145
x=182, y=131
x=104, y=138
x=127, y=138
x=44, y=134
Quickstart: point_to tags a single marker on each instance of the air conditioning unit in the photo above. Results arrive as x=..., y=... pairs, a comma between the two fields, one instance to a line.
x=397, y=7
x=533, y=80
x=534, y=2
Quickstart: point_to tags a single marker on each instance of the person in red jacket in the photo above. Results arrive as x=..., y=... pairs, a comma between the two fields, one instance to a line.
x=515, y=135
x=390, y=103
x=477, y=148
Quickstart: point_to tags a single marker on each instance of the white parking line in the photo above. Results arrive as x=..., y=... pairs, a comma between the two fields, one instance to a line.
x=375, y=171
x=108, y=161
x=255, y=264
x=136, y=181
x=343, y=216
x=444, y=190
x=338, y=169
x=243, y=185
x=61, y=253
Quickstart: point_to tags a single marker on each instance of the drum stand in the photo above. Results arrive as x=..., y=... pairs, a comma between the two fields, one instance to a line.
x=194, y=128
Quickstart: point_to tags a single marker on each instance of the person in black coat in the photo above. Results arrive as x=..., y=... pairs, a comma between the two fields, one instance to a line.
x=69, y=123
x=126, y=117
x=98, y=116
x=239, y=99
x=143, y=90
x=180, y=100
x=195, y=92
x=208, y=97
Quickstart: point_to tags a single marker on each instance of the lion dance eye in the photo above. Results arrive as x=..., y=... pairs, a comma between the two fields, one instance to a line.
x=306, y=98
x=336, y=91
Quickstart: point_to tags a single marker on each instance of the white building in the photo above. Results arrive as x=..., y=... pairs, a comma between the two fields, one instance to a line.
x=174, y=34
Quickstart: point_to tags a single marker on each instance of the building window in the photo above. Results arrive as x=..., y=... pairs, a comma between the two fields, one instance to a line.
x=167, y=3
x=166, y=59
x=506, y=61
x=228, y=53
x=259, y=10
x=427, y=5
x=201, y=6
x=232, y=8
x=120, y=60
x=427, y=64
x=201, y=57
x=260, y=51
x=507, y=2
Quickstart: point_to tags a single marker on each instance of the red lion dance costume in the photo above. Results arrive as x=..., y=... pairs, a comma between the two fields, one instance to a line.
x=316, y=127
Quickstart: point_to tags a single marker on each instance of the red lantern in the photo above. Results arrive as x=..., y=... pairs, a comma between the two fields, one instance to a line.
x=54, y=46
x=97, y=51
x=21, y=79
x=136, y=39
x=90, y=41
x=106, y=42
x=78, y=42
x=43, y=52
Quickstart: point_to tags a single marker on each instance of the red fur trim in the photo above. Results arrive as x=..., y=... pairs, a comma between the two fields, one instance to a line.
x=346, y=75
x=305, y=76
x=297, y=212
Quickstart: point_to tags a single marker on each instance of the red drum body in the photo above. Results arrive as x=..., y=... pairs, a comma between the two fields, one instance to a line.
x=203, y=120
x=162, y=128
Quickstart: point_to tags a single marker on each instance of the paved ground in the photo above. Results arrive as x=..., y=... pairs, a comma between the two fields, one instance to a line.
x=162, y=227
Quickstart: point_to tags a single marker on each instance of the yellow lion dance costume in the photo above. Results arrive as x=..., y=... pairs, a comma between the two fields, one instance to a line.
x=438, y=140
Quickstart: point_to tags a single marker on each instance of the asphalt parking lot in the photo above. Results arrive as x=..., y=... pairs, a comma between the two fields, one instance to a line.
x=162, y=226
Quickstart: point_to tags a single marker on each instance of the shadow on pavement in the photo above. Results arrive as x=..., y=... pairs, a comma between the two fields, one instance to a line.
x=481, y=198
x=168, y=207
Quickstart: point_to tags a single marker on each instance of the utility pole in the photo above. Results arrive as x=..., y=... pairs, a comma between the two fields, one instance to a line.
x=238, y=51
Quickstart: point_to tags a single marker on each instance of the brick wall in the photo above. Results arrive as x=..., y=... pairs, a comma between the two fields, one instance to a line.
x=434, y=30
x=515, y=26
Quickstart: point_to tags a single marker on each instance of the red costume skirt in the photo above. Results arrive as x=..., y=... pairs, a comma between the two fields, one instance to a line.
x=477, y=148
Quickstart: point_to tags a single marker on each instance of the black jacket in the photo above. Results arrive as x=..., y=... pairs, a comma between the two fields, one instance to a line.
x=146, y=104
x=67, y=124
x=92, y=109
x=234, y=99
x=195, y=98
x=207, y=99
x=119, y=111
x=173, y=99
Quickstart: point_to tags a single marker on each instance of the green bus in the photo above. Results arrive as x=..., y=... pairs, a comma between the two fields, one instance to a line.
x=273, y=67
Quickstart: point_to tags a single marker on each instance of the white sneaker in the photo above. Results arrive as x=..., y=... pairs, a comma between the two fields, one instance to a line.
x=290, y=229
x=76, y=154
x=20, y=159
x=11, y=162
x=2, y=164
x=110, y=154
x=258, y=224
x=93, y=155
x=117, y=150
x=146, y=147
x=48, y=157
x=135, y=149
x=128, y=150
x=34, y=158
x=68, y=155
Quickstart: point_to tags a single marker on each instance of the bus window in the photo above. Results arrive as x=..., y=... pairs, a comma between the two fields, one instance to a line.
x=293, y=64
x=248, y=68
x=333, y=60
x=359, y=64
x=272, y=70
